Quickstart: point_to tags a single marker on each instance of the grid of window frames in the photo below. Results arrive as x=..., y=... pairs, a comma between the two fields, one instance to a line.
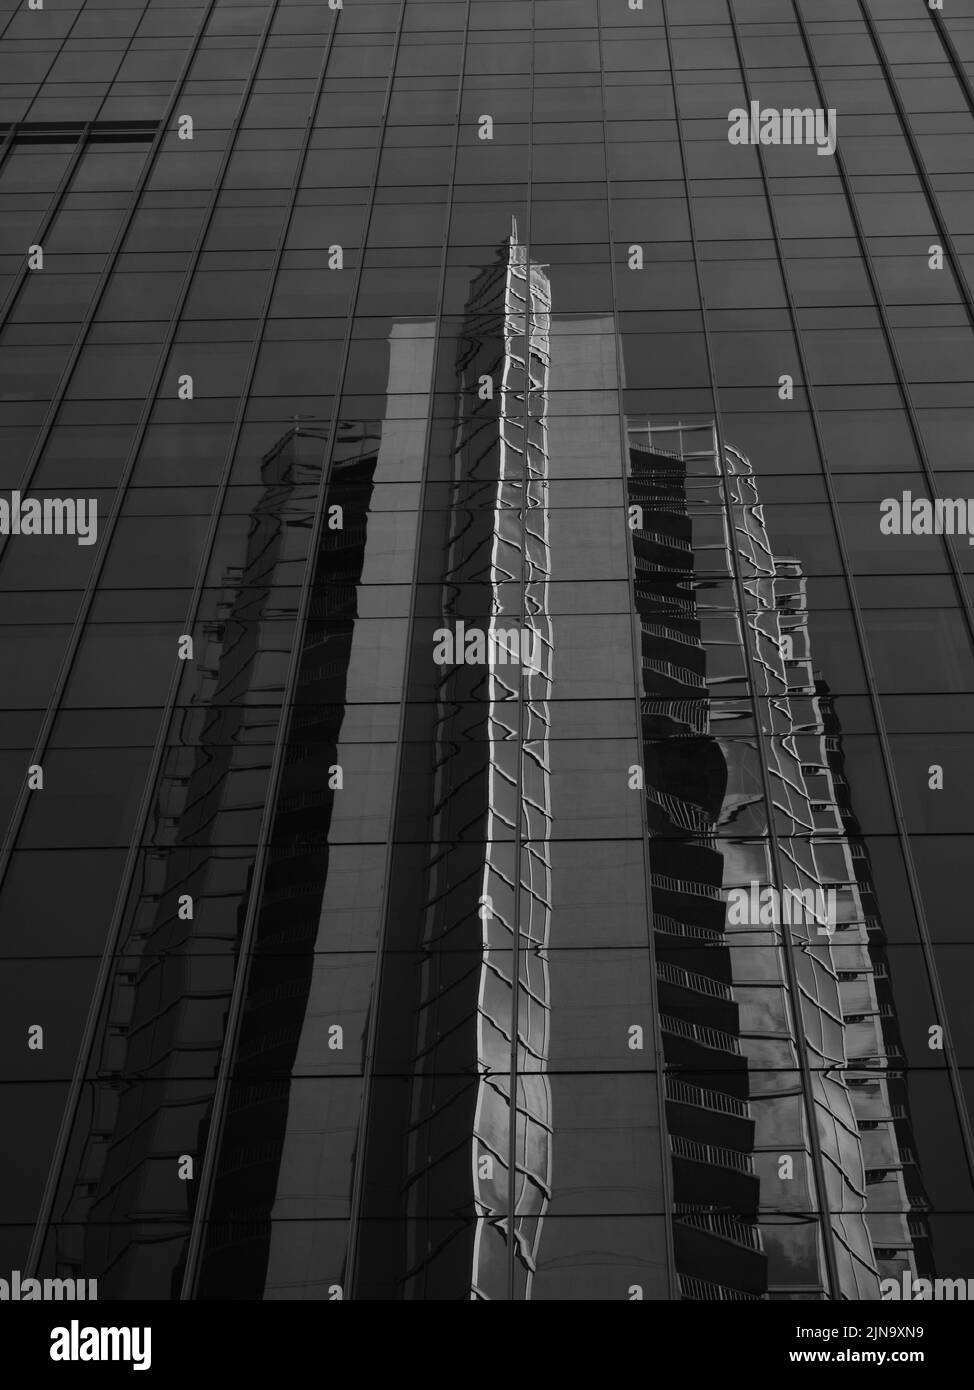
x=329, y=971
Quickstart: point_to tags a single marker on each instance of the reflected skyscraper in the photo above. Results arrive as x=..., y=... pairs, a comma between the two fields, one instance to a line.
x=155, y=1054
x=469, y=1004
x=799, y=1182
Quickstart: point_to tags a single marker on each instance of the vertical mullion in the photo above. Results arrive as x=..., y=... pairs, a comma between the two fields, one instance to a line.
x=53, y=208
x=943, y=231
x=519, y=750
x=112, y=258
x=926, y=945
x=59, y=39
x=68, y=176
x=963, y=598
x=238, y=995
x=100, y=558
x=192, y=616
x=368, y=1062
x=666, y=1160
x=129, y=44
x=939, y=20
x=8, y=140
x=103, y=977
x=161, y=744
x=794, y=1002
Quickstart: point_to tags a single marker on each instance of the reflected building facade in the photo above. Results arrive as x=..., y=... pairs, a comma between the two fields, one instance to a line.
x=464, y=989
x=504, y=798
x=164, y=1019
x=781, y=1006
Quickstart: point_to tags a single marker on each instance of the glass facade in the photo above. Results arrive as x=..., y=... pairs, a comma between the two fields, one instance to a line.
x=489, y=648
